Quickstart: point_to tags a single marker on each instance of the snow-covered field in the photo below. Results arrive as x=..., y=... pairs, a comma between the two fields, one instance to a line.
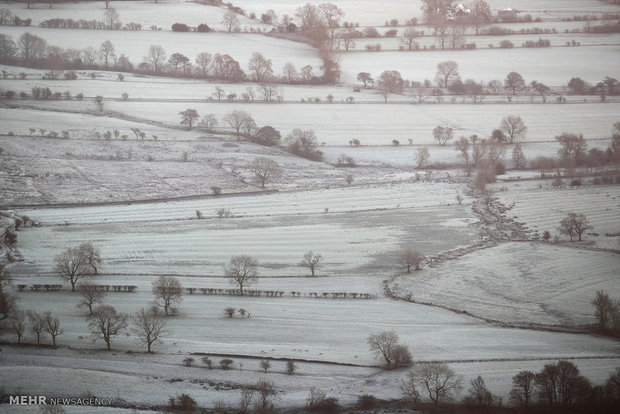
x=521, y=283
x=540, y=64
x=542, y=209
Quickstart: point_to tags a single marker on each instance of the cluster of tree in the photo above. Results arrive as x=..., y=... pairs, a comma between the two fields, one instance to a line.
x=607, y=313
x=386, y=345
x=8, y=18
x=111, y=21
x=607, y=87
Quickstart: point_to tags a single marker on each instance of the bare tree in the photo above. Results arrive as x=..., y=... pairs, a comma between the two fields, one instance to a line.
x=265, y=365
x=462, y=145
x=237, y=120
x=304, y=143
x=72, y=265
x=311, y=261
x=92, y=255
x=106, y=52
x=149, y=326
x=443, y=134
x=168, y=291
x=242, y=271
x=37, y=323
x=447, y=72
x=188, y=117
x=52, y=326
x=518, y=157
x=390, y=81
x=209, y=122
x=91, y=294
x=366, y=79
x=383, y=345
x=478, y=395
x=572, y=149
x=514, y=127
x=522, y=388
x=265, y=169
x=290, y=72
x=111, y=16
x=261, y=67
x=481, y=14
x=411, y=258
x=574, y=224
x=17, y=324
x=266, y=393
x=408, y=38
x=107, y=323
x=31, y=47
x=156, y=56
x=437, y=379
x=604, y=309
x=204, y=61
x=309, y=16
x=422, y=155
x=542, y=89
x=230, y=21
x=514, y=82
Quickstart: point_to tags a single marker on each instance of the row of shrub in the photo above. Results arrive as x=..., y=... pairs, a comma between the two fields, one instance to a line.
x=279, y=293
x=54, y=288
x=59, y=23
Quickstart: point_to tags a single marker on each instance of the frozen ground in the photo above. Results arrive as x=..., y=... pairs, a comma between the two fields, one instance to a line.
x=553, y=286
x=542, y=209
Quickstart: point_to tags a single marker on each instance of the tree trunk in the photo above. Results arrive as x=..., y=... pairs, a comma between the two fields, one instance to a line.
x=148, y=346
x=73, y=285
x=107, y=341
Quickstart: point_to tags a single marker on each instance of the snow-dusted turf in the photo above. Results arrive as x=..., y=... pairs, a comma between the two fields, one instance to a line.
x=539, y=64
x=135, y=44
x=147, y=13
x=542, y=209
x=379, y=124
x=553, y=286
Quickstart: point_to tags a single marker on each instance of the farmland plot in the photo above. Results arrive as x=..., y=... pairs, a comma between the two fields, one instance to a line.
x=377, y=124
x=542, y=209
x=161, y=14
x=519, y=283
x=541, y=64
x=135, y=44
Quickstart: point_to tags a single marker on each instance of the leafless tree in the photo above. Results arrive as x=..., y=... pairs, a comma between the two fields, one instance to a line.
x=106, y=52
x=290, y=73
x=447, y=72
x=111, y=16
x=542, y=89
x=411, y=258
x=572, y=149
x=156, y=56
x=574, y=224
x=408, y=38
x=306, y=74
x=383, y=345
x=242, y=271
x=290, y=367
x=514, y=127
x=522, y=388
x=265, y=365
x=481, y=14
x=347, y=36
x=266, y=394
x=478, y=395
x=265, y=169
x=311, y=260
x=604, y=309
x=52, y=326
x=462, y=146
x=304, y=143
x=72, y=265
x=168, y=291
x=230, y=21
x=518, y=157
x=331, y=15
x=309, y=16
x=247, y=395
x=237, y=120
x=107, y=323
x=422, y=155
x=37, y=323
x=261, y=67
x=443, y=134
x=268, y=91
x=209, y=122
x=149, y=326
x=92, y=255
x=390, y=81
x=91, y=294
x=188, y=117
x=514, y=82
x=203, y=63
x=17, y=324
x=409, y=388
x=437, y=379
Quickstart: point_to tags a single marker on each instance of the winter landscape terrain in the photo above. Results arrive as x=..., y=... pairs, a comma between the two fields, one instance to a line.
x=349, y=205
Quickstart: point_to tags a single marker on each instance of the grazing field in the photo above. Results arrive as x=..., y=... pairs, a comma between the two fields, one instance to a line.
x=539, y=64
x=542, y=209
x=552, y=286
